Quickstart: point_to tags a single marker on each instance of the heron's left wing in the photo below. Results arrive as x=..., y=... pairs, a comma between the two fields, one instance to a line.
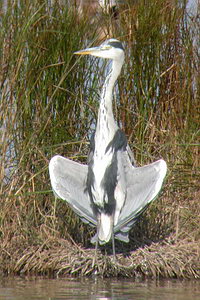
x=68, y=180
x=143, y=185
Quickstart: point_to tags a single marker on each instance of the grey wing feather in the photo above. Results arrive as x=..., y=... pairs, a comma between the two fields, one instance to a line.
x=68, y=180
x=143, y=184
x=131, y=156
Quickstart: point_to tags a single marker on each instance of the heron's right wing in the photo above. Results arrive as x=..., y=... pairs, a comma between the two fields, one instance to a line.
x=68, y=180
x=143, y=185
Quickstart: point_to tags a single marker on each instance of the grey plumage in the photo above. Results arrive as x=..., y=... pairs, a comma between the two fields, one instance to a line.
x=68, y=179
x=109, y=192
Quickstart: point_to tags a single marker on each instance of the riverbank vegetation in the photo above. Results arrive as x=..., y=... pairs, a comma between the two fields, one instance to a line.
x=48, y=106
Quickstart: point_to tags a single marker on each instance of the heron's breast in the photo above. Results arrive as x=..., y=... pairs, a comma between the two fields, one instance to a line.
x=101, y=162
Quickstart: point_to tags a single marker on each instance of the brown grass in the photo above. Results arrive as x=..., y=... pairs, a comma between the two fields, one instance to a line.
x=58, y=257
x=154, y=250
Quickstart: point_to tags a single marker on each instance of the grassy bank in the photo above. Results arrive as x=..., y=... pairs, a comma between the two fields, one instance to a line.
x=48, y=106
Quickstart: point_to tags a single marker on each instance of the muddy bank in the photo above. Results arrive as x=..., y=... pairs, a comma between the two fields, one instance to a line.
x=63, y=258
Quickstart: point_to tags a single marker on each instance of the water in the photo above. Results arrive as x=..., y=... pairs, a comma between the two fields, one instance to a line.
x=57, y=289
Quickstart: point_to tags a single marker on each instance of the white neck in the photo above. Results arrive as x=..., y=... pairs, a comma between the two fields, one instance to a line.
x=105, y=113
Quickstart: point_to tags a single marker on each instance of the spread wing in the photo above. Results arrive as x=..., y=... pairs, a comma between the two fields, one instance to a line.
x=143, y=185
x=68, y=180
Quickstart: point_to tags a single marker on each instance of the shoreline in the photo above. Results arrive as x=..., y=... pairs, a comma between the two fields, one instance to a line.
x=58, y=257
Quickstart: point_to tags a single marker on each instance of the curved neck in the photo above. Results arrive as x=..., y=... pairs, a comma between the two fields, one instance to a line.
x=107, y=91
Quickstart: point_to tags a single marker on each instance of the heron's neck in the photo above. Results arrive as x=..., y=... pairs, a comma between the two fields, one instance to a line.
x=105, y=110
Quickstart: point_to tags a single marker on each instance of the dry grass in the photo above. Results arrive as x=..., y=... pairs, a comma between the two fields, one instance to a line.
x=154, y=250
x=58, y=257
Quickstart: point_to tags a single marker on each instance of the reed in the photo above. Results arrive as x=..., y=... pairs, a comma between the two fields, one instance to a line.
x=48, y=106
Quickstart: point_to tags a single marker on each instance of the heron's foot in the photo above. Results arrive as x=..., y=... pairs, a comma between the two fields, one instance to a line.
x=114, y=259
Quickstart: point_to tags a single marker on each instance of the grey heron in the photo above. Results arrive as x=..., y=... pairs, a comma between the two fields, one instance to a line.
x=109, y=192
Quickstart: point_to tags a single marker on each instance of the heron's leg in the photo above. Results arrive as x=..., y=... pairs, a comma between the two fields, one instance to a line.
x=96, y=246
x=113, y=246
x=95, y=254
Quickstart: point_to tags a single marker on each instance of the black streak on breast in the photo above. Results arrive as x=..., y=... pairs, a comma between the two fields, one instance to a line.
x=119, y=142
x=109, y=182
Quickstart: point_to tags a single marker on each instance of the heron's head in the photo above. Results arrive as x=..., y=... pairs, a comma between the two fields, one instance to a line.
x=111, y=49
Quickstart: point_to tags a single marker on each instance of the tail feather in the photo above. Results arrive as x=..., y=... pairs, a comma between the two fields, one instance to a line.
x=105, y=228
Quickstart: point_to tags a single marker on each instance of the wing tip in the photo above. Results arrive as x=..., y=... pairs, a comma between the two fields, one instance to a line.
x=53, y=163
x=53, y=169
x=54, y=160
x=163, y=168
